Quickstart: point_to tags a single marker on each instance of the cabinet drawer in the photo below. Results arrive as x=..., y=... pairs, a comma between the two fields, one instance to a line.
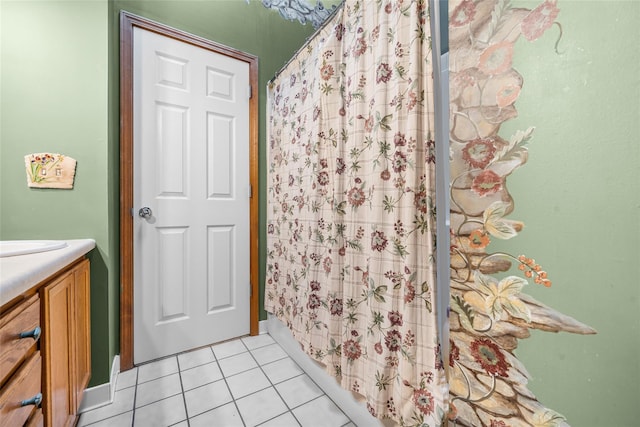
x=13, y=349
x=36, y=420
x=24, y=385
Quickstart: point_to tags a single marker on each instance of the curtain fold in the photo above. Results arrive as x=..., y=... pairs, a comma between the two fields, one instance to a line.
x=351, y=207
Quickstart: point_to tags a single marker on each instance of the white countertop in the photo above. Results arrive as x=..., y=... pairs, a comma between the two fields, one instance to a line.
x=19, y=273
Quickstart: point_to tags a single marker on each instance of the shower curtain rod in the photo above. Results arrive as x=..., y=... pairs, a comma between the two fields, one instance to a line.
x=307, y=41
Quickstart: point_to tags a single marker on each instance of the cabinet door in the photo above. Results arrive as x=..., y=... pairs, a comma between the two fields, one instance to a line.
x=58, y=303
x=82, y=330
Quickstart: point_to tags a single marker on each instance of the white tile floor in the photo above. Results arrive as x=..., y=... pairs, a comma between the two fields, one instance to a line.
x=245, y=382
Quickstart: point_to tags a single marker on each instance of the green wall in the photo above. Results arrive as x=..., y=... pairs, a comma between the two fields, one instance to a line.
x=579, y=196
x=54, y=99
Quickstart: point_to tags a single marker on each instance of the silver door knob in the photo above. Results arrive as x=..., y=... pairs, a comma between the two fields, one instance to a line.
x=145, y=213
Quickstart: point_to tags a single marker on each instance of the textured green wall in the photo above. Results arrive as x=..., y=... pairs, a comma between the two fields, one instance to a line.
x=54, y=99
x=579, y=196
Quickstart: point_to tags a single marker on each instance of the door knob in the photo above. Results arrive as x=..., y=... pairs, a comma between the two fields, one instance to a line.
x=145, y=213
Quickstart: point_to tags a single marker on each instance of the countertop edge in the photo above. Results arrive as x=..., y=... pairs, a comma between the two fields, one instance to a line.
x=20, y=273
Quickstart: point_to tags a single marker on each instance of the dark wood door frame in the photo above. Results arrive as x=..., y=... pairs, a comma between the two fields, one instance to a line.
x=128, y=22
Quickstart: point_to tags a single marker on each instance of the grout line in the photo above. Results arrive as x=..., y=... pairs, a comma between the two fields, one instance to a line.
x=204, y=385
x=184, y=398
x=224, y=378
x=316, y=384
x=287, y=379
x=135, y=396
x=274, y=386
x=163, y=374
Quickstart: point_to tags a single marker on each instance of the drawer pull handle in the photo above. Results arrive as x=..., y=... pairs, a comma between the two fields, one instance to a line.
x=35, y=400
x=35, y=334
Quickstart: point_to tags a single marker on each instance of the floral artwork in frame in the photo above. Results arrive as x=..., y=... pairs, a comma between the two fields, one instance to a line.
x=50, y=170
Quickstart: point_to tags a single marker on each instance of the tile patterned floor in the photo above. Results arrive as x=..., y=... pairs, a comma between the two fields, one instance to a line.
x=245, y=382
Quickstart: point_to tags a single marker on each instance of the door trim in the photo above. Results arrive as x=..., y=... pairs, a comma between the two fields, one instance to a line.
x=128, y=22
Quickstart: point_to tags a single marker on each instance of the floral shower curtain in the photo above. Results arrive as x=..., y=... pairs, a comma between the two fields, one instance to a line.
x=350, y=209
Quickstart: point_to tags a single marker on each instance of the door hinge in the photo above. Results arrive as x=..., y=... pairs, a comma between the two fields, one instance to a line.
x=250, y=191
x=250, y=290
x=250, y=91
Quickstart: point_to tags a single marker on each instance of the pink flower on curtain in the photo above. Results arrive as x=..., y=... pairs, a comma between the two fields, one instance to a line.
x=339, y=31
x=326, y=72
x=423, y=400
x=352, y=349
x=326, y=264
x=378, y=347
x=356, y=197
x=375, y=33
x=539, y=20
x=323, y=178
x=399, y=161
x=395, y=318
x=383, y=73
x=336, y=307
x=399, y=140
x=409, y=339
x=313, y=302
x=421, y=201
x=399, y=51
x=409, y=293
x=393, y=340
x=360, y=47
x=378, y=241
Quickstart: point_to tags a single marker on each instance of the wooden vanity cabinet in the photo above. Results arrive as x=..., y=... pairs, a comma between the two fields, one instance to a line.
x=66, y=344
x=55, y=362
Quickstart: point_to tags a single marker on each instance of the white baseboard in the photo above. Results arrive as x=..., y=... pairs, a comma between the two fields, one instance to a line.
x=102, y=394
x=355, y=410
x=263, y=327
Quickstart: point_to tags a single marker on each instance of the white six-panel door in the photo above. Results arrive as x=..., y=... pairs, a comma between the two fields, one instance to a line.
x=191, y=168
